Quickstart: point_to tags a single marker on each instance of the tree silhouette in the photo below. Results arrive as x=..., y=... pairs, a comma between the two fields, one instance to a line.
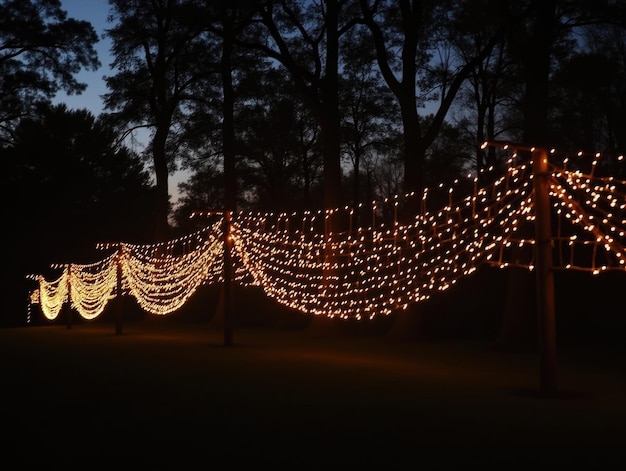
x=41, y=51
x=73, y=188
x=160, y=54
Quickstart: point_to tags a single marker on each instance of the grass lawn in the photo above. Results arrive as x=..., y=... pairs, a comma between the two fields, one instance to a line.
x=166, y=395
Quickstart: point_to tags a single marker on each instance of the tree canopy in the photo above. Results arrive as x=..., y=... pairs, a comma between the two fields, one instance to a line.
x=283, y=105
x=41, y=51
x=71, y=187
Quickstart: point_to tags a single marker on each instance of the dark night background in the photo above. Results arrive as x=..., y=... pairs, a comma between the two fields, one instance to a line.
x=233, y=107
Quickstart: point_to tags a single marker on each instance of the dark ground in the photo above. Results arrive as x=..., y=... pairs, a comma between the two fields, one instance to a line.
x=169, y=395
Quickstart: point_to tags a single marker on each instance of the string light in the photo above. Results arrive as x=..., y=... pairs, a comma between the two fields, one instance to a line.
x=362, y=271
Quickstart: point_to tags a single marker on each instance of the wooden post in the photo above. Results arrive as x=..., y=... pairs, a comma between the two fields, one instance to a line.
x=544, y=273
x=119, y=308
x=228, y=282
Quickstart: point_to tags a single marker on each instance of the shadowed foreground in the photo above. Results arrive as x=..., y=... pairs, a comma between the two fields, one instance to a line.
x=171, y=396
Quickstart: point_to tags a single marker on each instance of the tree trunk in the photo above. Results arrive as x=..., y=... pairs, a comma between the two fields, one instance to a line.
x=406, y=324
x=226, y=305
x=519, y=307
x=161, y=230
x=330, y=134
x=413, y=151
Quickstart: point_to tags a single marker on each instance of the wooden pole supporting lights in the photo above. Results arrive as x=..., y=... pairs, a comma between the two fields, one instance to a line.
x=544, y=274
x=379, y=264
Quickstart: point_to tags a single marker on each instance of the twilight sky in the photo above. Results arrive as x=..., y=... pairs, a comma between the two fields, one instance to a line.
x=96, y=12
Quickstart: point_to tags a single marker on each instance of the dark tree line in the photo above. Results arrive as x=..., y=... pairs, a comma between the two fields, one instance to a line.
x=67, y=184
x=41, y=51
x=379, y=80
x=284, y=105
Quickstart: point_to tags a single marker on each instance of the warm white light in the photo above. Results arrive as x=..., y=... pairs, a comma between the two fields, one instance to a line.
x=366, y=270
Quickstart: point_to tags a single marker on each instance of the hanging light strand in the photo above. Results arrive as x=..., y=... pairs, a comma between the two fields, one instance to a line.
x=366, y=266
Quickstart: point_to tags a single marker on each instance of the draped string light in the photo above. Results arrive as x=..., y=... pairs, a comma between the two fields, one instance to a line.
x=161, y=285
x=92, y=286
x=161, y=277
x=375, y=270
x=597, y=207
x=52, y=295
x=361, y=271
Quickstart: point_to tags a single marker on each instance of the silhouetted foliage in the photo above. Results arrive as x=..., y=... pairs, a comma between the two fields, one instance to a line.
x=70, y=187
x=41, y=51
x=160, y=54
x=283, y=105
